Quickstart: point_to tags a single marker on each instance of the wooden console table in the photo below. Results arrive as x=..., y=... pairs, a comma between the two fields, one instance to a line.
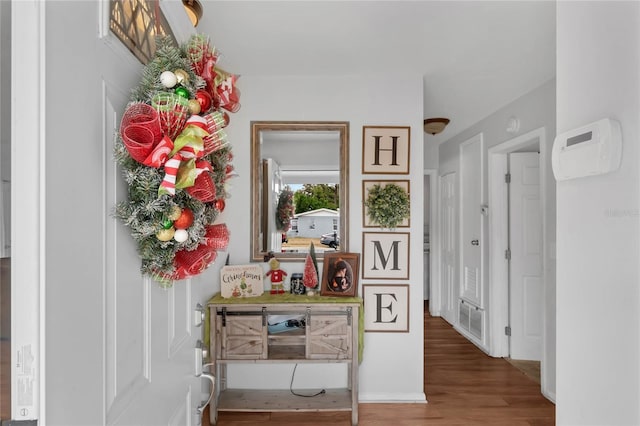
x=239, y=333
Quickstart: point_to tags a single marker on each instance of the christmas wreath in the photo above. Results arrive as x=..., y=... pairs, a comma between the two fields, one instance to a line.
x=176, y=159
x=285, y=210
x=387, y=205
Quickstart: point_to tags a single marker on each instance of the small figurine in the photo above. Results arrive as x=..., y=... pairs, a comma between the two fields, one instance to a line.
x=277, y=276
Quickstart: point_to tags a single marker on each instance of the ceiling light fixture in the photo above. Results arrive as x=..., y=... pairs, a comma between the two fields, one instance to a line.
x=194, y=10
x=433, y=126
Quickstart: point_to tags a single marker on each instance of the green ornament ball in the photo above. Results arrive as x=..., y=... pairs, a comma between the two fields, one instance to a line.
x=167, y=223
x=181, y=91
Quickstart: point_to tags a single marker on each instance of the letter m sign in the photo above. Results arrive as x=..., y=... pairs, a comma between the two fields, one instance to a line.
x=386, y=255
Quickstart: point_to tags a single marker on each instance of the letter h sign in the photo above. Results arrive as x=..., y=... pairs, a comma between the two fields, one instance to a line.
x=385, y=150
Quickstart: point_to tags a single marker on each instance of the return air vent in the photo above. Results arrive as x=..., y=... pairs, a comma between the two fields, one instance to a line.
x=471, y=319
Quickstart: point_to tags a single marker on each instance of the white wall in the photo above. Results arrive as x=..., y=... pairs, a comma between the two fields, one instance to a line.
x=534, y=110
x=598, y=324
x=392, y=368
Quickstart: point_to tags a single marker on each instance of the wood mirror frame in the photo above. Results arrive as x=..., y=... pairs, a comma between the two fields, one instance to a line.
x=257, y=188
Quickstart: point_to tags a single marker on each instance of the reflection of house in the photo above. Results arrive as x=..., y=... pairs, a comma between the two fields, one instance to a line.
x=314, y=223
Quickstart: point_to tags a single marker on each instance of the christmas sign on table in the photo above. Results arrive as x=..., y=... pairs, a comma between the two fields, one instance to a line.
x=241, y=281
x=176, y=159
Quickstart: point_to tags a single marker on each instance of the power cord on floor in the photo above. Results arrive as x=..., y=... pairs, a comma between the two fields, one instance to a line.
x=323, y=391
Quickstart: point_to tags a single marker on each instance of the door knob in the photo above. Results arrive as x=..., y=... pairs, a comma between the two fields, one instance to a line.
x=199, y=315
x=475, y=242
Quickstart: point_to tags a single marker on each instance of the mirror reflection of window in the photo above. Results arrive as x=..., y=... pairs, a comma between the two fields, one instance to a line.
x=312, y=162
x=313, y=175
x=272, y=184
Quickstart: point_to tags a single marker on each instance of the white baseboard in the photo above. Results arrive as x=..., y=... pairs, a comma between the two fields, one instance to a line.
x=399, y=398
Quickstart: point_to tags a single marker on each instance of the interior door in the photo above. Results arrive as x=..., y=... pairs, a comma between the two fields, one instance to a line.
x=150, y=331
x=448, y=240
x=471, y=220
x=525, y=298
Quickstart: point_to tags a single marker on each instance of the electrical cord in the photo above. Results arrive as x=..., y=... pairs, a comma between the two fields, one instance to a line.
x=323, y=391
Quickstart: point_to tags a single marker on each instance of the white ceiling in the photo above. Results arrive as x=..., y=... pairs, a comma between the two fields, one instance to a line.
x=474, y=56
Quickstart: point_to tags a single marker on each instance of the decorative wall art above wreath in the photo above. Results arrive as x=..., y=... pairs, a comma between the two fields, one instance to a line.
x=386, y=204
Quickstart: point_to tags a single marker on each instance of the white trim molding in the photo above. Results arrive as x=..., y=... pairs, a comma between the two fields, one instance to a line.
x=28, y=210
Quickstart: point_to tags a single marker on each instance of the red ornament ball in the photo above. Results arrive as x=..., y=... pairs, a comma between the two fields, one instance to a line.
x=185, y=220
x=220, y=204
x=204, y=99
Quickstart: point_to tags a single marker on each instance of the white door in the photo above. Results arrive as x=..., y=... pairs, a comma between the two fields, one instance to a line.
x=150, y=332
x=448, y=246
x=118, y=349
x=525, y=299
x=426, y=238
x=471, y=220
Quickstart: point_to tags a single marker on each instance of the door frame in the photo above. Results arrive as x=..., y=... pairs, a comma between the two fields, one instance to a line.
x=498, y=241
x=434, y=241
x=28, y=207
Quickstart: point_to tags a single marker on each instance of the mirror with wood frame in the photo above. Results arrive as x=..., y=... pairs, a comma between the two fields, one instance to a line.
x=299, y=186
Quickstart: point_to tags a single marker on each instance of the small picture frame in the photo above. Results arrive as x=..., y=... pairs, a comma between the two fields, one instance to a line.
x=386, y=149
x=386, y=307
x=340, y=274
x=368, y=184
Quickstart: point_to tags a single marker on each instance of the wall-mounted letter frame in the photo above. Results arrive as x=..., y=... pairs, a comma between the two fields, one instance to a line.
x=386, y=307
x=385, y=255
x=386, y=149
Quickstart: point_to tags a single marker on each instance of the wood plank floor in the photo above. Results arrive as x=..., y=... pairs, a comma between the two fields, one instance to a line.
x=463, y=386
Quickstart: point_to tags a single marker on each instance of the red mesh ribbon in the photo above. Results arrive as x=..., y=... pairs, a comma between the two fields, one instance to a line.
x=189, y=263
x=226, y=92
x=140, y=130
x=203, y=188
x=217, y=236
x=203, y=57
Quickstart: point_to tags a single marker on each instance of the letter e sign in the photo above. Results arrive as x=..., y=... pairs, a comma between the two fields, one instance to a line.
x=386, y=307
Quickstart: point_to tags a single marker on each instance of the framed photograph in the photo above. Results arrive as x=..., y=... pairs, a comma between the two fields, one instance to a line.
x=340, y=274
x=385, y=149
x=385, y=255
x=368, y=184
x=386, y=307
